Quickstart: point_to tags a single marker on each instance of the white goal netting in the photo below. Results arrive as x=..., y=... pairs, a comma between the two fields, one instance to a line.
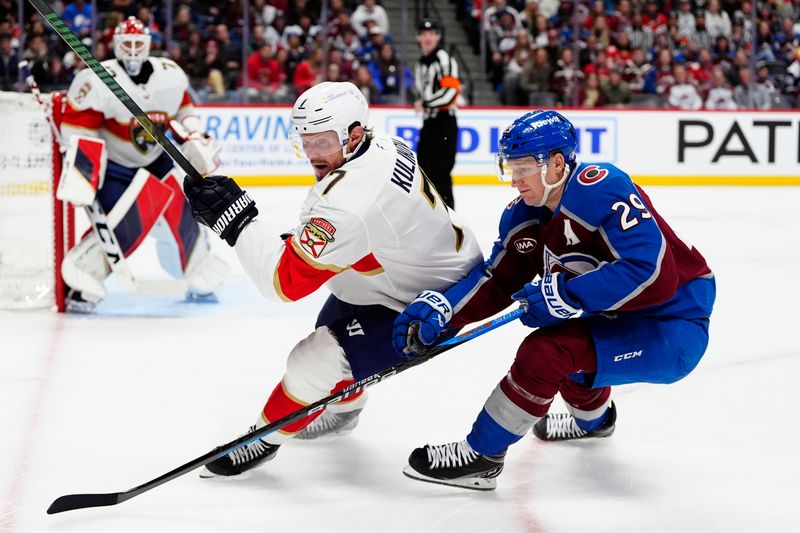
x=28, y=222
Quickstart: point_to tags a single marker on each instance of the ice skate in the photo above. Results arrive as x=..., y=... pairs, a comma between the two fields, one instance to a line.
x=241, y=459
x=562, y=426
x=455, y=464
x=330, y=423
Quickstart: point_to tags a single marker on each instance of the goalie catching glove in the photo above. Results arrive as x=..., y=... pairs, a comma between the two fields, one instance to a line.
x=219, y=203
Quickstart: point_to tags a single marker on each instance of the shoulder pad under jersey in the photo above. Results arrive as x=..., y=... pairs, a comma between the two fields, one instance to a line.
x=592, y=190
x=518, y=214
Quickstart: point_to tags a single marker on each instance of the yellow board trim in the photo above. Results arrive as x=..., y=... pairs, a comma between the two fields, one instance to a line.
x=766, y=181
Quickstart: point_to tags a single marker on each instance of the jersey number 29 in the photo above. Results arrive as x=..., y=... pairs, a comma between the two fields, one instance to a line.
x=628, y=218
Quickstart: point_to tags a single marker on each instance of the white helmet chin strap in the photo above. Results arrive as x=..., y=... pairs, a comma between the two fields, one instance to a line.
x=547, y=187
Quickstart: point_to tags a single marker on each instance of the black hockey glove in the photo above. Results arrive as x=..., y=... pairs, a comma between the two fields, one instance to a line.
x=217, y=202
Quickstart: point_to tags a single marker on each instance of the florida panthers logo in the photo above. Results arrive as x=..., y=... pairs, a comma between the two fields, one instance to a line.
x=140, y=137
x=592, y=174
x=316, y=236
x=573, y=262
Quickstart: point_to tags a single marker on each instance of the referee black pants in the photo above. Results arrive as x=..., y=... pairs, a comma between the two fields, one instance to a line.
x=436, y=152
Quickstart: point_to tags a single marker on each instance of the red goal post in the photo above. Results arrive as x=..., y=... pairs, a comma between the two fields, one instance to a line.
x=36, y=229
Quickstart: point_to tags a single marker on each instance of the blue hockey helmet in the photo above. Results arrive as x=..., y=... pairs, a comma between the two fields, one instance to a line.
x=537, y=134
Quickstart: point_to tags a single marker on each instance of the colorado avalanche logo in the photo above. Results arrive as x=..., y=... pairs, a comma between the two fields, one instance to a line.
x=592, y=174
x=573, y=262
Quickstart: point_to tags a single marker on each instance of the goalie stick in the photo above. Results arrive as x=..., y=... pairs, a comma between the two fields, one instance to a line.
x=82, y=501
x=99, y=222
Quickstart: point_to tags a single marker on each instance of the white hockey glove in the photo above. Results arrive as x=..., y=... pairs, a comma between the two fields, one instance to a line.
x=199, y=148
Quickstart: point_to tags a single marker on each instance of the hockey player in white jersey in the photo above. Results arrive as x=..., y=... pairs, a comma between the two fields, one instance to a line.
x=373, y=230
x=126, y=179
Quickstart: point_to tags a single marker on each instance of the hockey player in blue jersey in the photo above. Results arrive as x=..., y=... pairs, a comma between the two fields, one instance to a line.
x=615, y=297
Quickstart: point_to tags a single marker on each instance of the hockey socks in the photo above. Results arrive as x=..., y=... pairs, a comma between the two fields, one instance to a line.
x=490, y=438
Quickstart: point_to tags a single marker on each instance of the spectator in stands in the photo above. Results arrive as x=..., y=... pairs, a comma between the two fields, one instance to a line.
x=308, y=72
x=295, y=51
x=639, y=35
x=590, y=94
x=522, y=54
x=566, y=78
x=660, y=77
x=616, y=92
x=653, y=18
x=717, y=21
x=77, y=16
x=229, y=53
x=740, y=61
x=387, y=73
x=786, y=39
x=275, y=33
x=263, y=70
x=9, y=63
x=366, y=85
x=535, y=77
x=682, y=94
x=492, y=13
x=791, y=78
x=635, y=70
x=765, y=80
x=702, y=71
x=685, y=19
x=369, y=10
x=749, y=95
x=720, y=96
x=700, y=37
x=539, y=31
x=502, y=39
x=765, y=38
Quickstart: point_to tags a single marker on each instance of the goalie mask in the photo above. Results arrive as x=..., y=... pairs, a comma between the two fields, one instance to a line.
x=132, y=44
x=322, y=118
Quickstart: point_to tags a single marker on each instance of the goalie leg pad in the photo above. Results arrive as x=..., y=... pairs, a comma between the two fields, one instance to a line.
x=137, y=210
x=84, y=268
x=178, y=216
x=84, y=170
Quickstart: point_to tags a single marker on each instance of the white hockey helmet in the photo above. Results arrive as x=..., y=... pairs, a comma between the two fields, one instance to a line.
x=132, y=44
x=327, y=106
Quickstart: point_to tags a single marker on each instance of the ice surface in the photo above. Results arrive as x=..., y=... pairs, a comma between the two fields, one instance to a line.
x=104, y=403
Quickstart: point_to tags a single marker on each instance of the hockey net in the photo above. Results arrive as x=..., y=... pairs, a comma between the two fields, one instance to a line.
x=35, y=228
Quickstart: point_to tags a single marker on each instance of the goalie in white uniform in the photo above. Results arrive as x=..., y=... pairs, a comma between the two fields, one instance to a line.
x=113, y=163
x=373, y=230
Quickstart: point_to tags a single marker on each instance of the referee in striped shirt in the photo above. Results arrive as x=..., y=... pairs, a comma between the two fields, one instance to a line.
x=436, y=88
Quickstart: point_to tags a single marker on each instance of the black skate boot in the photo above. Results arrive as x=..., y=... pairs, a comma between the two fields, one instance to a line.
x=75, y=303
x=241, y=459
x=455, y=464
x=330, y=423
x=562, y=426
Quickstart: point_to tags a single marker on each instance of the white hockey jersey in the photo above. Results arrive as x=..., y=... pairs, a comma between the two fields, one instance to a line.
x=92, y=109
x=374, y=231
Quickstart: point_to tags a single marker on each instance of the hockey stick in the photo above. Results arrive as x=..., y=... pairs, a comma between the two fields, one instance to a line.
x=83, y=501
x=47, y=11
x=97, y=218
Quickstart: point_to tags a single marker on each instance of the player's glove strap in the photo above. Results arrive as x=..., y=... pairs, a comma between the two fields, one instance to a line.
x=555, y=296
x=219, y=203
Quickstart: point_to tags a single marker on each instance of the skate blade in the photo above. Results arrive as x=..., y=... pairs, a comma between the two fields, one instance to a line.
x=205, y=473
x=471, y=483
x=349, y=427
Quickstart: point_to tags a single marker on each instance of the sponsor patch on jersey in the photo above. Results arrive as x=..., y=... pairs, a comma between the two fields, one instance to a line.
x=525, y=245
x=316, y=236
x=592, y=174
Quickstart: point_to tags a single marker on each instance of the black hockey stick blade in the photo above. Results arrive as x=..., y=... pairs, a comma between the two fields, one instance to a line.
x=71, y=502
